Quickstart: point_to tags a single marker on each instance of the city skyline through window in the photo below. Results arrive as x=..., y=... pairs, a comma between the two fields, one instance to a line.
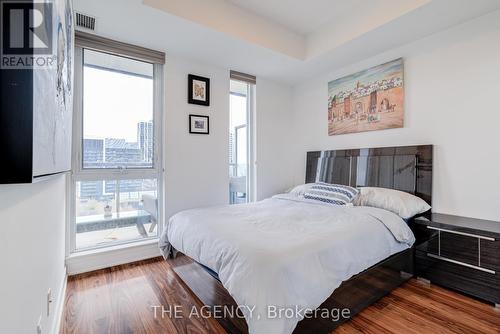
x=117, y=112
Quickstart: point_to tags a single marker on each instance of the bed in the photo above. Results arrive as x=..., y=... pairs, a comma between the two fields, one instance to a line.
x=273, y=260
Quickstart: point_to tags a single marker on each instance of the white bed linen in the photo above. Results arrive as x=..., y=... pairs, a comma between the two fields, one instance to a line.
x=285, y=251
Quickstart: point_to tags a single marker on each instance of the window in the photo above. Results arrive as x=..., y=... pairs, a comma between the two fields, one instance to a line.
x=117, y=173
x=240, y=140
x=117, y=112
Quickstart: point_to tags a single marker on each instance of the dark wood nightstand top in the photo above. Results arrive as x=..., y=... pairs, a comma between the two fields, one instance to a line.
x=463, y=224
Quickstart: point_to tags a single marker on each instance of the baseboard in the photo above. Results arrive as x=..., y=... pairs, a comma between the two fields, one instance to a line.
x=59, y=307
x=93, y=260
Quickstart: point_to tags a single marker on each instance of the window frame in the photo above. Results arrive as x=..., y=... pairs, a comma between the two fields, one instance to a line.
x=251, y=125
x=105, y=174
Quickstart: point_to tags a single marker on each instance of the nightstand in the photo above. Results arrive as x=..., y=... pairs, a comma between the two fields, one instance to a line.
x=459, y=253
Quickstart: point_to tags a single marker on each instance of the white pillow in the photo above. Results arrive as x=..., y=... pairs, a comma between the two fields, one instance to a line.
x=403, y=204
x=301, y=189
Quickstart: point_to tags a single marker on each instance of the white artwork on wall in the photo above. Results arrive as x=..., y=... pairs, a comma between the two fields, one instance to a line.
x=53, y=98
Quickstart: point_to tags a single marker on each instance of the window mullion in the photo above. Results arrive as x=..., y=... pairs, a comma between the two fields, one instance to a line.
x=117, y=197
x=115, y=174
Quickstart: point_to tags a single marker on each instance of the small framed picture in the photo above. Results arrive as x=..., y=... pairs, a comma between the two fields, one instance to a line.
x=198, y=90
x=198, y=124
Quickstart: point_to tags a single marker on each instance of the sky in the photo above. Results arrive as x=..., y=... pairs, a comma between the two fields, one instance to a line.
x=238, y=107
x=114, y=103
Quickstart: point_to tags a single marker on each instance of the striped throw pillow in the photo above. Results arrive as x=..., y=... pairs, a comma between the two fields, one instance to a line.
x=335, y=194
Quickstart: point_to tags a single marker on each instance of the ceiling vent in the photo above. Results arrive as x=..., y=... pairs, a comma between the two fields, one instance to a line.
x=85, y=21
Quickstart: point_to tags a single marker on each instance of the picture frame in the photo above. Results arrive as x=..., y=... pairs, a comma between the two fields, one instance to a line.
x=198, y=90
x=368, y=100
x=199, y=124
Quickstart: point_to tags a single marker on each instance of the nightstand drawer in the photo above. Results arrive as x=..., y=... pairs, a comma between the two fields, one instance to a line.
x=475, y=282
x=462, y=248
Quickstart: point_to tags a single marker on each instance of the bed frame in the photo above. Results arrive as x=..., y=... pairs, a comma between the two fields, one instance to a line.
x=405, y=168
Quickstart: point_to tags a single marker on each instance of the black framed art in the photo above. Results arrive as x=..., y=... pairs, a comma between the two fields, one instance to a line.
x=199, y=124
x=198, y=90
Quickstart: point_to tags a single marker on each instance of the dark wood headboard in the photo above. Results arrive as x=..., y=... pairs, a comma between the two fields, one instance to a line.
x=405, y=168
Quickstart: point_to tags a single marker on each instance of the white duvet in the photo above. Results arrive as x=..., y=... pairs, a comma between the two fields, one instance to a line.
x=284, y=251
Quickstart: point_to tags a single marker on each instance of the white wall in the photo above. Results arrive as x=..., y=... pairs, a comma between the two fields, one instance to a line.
x=196, y=169
x=452, y=81
x=32, y=223
x=274, y=138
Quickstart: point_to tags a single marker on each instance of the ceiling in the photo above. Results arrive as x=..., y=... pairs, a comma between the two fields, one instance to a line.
x=272, y=45
x=297, y=28
x=302, y=17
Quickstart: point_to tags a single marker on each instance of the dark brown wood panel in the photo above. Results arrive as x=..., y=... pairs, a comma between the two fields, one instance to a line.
x=209, y=290
x=490, y=254
x=467, y=280
x=405, y=168
x=460, y=248
x=452, y=246
x=119, y=300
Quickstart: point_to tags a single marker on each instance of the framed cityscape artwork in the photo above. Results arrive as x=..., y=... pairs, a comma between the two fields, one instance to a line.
x=369, y=100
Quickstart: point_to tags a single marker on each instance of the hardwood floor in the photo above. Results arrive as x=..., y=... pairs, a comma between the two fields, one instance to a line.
x=123, y=299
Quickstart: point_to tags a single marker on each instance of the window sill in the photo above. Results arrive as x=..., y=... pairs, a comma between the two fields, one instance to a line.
x=94, y=259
